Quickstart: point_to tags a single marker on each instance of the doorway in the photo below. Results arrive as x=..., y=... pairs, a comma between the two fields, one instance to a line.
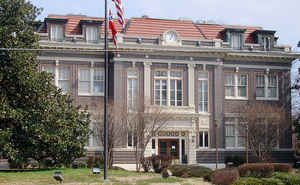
x=169, y=147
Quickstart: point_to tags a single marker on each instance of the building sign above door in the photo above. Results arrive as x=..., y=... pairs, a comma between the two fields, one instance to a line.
x=172, y=133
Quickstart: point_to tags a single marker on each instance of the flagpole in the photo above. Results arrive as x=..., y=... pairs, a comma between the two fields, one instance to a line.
x=105, y=95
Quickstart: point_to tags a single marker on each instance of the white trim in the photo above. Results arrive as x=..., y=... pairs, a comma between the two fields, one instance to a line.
x=266, y=86
x=236, y=86
x=91, y=86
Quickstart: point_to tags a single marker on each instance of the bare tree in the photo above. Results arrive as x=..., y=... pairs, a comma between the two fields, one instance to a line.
x=145, y=123
x=117, y=127
x=263, y=124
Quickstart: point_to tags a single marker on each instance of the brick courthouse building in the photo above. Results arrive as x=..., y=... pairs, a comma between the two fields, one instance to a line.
x=198, y=71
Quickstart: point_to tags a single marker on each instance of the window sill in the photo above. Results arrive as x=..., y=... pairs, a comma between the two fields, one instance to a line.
x=204, y=113
x=264, y=98
x=235, y=148
x=235, y=98
x=102, y=94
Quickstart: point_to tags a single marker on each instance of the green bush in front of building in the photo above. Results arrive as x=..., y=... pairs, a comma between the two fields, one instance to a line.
x=189, y=171
x=287, y=178
x=257, y=181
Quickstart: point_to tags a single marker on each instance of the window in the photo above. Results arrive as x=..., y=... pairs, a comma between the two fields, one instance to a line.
x=168, y=88
x=153, y=143
x=61, y=76
x=92, y=34
x=56, y=32
x=236, y=40
x=203, y=139
x=131, y=139
x=266, y=43
x=94, y=138
x=266, y=86
x=91, y=81
x=132, y=89
x=203, y=91
x=176, y=88
x=236, y=86
x=234, y=136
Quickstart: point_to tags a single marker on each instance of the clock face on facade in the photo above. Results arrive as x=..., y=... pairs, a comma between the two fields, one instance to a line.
x=171, y=37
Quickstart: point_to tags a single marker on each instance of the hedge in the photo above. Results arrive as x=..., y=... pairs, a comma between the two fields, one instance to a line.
x=189, y=171
x=258, y=170
x=225, y=176
x=257, y=181
x=286, y=178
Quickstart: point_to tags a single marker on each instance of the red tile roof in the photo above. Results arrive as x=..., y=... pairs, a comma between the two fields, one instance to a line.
x=150, y=27
x=155, y=27
x=212, y=31
x=73, y=26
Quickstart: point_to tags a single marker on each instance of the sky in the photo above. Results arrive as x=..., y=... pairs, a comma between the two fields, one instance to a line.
x=282, y=16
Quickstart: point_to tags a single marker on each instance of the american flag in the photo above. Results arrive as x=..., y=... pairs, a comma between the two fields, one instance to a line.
x=120, y=12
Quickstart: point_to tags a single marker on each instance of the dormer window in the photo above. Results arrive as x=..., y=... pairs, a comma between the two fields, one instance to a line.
x=92, y=34
x=265, y=38
x=91, y=30
x=56, y=32
x=236, y=40
x=266, y=42
x=56, y=28
x=235, y=37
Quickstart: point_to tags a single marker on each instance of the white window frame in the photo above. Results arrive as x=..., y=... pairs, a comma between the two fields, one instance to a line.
x=236, y=86
x=93, y=141
x=199, y=98
x=55, y=37
x=203, y=139
x=87, y=36
x=134, y=101
x=266, y=43
x=168, y=79
x=133, y=139
x=236, y=136
x=56, y=76
x=91, y=87
x=239, y=35
x=266, y=86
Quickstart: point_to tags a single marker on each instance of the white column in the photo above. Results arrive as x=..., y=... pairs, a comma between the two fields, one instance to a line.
x=191, y=85
x=147, y=82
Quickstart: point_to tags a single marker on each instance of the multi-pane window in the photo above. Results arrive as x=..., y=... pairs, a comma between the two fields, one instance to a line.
x=176, y=90
x=168, y=88
x=132, y=89
x=61, y=76
x=92, y=34
x=266, y=86
x=203, y=91
x=131, y=139
x=160, y=87
x=91, y=81
x=266, y=43
x=236, y=85
x=64, y=78
x=203, y=139
x=236, y=40
x=234, y=136
x=94, y=139
x=56, y=31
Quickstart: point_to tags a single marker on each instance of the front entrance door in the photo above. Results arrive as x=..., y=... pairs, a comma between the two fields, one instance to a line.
x=169, y=147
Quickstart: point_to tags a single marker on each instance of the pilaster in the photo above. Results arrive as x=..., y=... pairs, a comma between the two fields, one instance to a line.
x=191, y=85
x=147, y=82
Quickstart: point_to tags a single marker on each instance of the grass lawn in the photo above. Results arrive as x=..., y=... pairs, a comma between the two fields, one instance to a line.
x=85, y=176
